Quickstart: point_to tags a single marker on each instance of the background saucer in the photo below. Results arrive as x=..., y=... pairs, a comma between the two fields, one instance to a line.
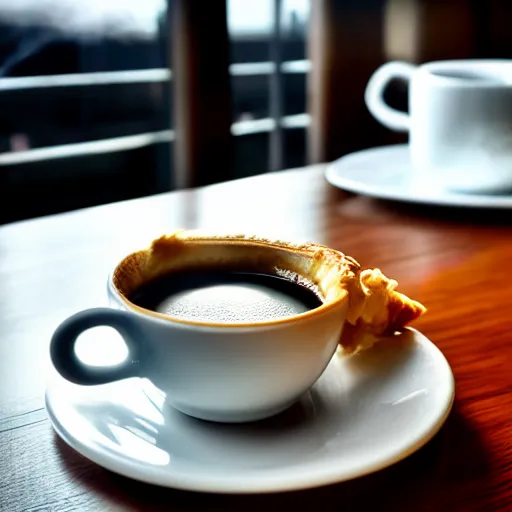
x=386, y=173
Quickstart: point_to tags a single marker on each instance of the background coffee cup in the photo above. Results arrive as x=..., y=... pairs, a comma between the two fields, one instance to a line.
x=459, y=121
x=217, y=372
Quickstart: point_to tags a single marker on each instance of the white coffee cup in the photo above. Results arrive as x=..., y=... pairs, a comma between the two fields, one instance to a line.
x=226, y=371
x=459, y=121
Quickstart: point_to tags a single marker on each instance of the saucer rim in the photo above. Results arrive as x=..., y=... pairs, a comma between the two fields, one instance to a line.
x=335, y=170
x=322, y=473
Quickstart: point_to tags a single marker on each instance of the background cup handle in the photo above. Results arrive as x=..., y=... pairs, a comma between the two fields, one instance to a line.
x=373, y=96
x=65, y=360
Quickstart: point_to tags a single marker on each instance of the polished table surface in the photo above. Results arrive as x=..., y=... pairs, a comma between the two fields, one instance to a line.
x=458, y=263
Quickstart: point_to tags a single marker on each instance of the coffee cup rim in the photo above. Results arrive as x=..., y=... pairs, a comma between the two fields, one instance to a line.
x=325, y=307
x=493, y=69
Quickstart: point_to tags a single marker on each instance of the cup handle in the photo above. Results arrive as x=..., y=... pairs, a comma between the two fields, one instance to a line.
x=66, y=362
x=373, y=96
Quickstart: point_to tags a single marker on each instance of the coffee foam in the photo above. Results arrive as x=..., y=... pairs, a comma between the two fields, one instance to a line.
x=232, y=303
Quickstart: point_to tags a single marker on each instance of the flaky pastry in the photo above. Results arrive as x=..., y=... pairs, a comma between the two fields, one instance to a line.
x=376, y=310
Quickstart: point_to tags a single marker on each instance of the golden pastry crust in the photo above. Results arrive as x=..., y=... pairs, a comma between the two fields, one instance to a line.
x=375, y=308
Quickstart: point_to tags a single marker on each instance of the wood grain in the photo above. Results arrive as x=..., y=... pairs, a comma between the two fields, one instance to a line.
x=456, y=262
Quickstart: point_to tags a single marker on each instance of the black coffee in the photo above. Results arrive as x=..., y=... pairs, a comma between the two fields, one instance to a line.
x=225, y=296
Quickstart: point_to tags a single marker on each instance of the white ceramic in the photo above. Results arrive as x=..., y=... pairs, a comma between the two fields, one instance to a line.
x=365, y=413
x=229, y=372
x=459, y=121
x=386, y=173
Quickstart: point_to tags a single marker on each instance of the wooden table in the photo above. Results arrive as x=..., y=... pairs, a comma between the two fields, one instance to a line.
x=456, y=262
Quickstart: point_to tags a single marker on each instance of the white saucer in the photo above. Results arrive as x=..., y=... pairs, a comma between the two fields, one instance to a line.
x=363, y=414
x=385, y=173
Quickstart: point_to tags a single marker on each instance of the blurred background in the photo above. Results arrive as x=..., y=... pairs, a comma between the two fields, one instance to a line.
x=105, y=100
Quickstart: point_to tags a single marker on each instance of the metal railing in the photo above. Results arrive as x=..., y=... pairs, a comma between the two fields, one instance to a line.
x=272, y=124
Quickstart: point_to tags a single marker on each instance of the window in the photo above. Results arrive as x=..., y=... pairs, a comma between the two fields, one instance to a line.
x=86, y=104
x=269, y=69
